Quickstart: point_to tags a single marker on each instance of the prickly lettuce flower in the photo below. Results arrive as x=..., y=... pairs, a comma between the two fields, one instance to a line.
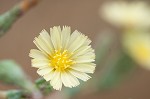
x=137, y=45
x=63, y=57
x=126, y=14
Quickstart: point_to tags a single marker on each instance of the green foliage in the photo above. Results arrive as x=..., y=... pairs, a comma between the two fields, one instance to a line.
x=8, y=18
x=11, y=73
x=14, y=94
x=45, y=86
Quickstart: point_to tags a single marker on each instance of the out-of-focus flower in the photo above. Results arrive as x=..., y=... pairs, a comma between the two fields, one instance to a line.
x=137, y=45
x=63, y=57
x=126, y=14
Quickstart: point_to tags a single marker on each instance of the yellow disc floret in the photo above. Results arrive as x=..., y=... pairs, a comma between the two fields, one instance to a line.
x=60, y=60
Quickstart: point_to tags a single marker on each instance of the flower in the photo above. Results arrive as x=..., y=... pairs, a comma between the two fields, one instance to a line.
x=63, y=57
x=127, y=14
x=137, y=45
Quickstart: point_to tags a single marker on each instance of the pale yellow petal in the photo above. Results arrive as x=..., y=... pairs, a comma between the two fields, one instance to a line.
x=87, y=42
x=65, y=37
x=78, y=42
x=85, y=58
x=42, y=45
x=69, y=80
x=88, y=55
x=58, y=85
x=73, y=37
x=44, y=71
x=44, y=35
x=56, y=82
x=86, y=67
x=40, y=63
x=34, y=53
x=49, y=76
x=80, y=75
x=81, y=51
x=55, y=33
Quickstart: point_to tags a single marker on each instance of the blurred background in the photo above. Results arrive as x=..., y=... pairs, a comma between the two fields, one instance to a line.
x=85, y=16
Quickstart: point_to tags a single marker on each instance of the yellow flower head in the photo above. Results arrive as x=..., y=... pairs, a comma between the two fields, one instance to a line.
x=63, y=57
x=137, y=46
x=127, y=14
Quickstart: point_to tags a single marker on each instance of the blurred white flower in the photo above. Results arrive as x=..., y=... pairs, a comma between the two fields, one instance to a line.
x=137, y=45
x=126, y=14
x=63, y=57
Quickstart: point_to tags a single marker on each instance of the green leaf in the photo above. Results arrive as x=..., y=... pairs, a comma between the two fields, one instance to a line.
x=14, y=94
x=11, y=73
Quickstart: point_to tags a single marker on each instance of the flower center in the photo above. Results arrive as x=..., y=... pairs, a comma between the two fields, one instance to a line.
x=61, y=60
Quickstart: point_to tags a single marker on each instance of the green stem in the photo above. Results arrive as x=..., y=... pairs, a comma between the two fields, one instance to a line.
x=8, y=18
